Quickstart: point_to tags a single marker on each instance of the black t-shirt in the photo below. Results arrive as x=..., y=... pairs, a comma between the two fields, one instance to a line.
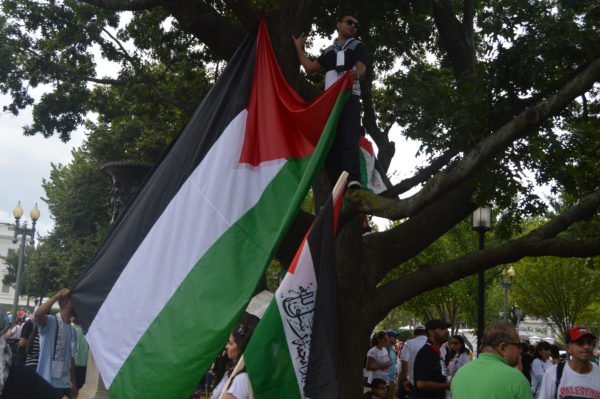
x=24, y=383
x=353, y=53
x=428, y=367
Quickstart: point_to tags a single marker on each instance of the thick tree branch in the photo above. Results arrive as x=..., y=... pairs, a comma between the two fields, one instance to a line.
x=525, y=123
x=124, y=5
x=540, y=242
x=457, y=37
x=468, y=17
x=387, y=250
x=217, y=31
x=387, y=149
x=244, y=11
x=196, y=17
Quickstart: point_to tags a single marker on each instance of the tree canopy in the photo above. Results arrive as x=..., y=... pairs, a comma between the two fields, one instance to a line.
x=502, y=95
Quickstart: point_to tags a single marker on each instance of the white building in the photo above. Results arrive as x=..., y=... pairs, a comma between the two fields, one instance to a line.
x=536, y=330
x=7, y=293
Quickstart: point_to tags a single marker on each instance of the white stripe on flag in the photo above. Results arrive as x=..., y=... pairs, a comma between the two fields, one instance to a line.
x=296, y=302
x=212, y=199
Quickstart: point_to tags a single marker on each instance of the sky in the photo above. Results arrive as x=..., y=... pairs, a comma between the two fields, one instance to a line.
x=24, y=162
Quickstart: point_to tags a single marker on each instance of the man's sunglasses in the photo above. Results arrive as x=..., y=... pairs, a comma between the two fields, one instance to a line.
x=351, y=22
x=583, y=342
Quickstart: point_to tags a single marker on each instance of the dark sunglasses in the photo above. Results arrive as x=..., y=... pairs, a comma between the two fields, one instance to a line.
x=583, y=342
x=351, y=22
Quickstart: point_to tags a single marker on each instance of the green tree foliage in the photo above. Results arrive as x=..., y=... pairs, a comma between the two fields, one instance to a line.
x=39, y=277
x=456, y=302
x=561, y=292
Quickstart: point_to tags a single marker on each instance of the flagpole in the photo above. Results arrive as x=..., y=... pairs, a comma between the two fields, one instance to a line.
x=335, y=193
x=339, y=185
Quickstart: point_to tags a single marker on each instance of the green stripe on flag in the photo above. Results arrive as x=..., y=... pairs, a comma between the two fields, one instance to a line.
x=364, y=172
x=268, y=359
x=219, y=294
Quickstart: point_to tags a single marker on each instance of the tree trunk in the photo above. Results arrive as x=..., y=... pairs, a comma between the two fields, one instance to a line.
x=354, y=321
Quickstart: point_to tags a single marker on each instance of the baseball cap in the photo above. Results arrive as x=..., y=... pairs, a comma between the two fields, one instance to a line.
x=578, y=332
x=436, y=323
x=391, y=333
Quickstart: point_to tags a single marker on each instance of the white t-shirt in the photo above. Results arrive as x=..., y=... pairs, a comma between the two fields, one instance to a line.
x=409, y=354
x=572, y=385
x=538, y=369
x=457, y=362
x=381, y=357
x=240, y=386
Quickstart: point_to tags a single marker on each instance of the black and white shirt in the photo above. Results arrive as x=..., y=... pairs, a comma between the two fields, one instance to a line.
x=340, y=57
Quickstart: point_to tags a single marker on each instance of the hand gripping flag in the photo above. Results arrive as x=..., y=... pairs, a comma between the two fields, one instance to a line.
x=293, y=352
x=179, y=266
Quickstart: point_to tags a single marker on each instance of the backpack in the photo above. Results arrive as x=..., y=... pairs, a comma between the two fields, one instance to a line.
x=559, y=372
x=32, y=337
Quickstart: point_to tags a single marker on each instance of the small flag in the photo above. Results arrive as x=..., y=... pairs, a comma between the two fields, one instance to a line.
x=293, y=352
x=372, y=175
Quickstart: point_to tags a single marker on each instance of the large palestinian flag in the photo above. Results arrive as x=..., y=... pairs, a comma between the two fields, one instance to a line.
x=180, y=265
x=293, y=352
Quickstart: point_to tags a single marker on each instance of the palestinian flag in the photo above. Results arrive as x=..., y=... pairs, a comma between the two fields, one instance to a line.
x=297, y=336
x=372, y=175
x=180, y=265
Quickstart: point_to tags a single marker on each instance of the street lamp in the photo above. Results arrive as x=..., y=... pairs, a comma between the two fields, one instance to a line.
x=24, y=232
x=506, y=283
x=482, y=222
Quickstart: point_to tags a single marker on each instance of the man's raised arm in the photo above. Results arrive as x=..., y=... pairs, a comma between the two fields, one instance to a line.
x=310, y=66
x=41, y=313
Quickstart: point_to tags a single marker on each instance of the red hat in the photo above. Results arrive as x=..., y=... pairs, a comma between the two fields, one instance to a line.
x=579, y=331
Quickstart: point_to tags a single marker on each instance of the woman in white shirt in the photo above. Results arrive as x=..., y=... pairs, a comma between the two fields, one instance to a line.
x=459, y=354
x=239, y=386
x=540, y=364
x=378, y=358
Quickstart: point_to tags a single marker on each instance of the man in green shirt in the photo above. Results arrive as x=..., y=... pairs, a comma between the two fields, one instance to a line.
x=493, y=375
x=82, y=355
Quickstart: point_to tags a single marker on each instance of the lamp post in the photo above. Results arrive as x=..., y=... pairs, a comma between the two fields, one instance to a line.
x=482, y=222
x=24, y=232
x=506, y=283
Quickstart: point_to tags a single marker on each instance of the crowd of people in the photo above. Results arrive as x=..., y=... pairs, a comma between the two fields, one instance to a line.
x=50, y=356
x=434, y=365
x=45, y=356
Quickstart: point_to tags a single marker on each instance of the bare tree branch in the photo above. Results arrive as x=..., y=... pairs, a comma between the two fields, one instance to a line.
x=457, y=37
x=525, y=123
x=124, y=51
x=422, y=175
x=124, y=5
x=539, y=242
x=387, y=149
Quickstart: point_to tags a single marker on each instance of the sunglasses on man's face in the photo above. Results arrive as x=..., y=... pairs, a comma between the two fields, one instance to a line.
x=583, y=342
x=352, y=22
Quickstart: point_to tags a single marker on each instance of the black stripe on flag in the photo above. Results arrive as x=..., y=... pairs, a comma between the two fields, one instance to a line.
x=225, y=101
x=322, y=375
